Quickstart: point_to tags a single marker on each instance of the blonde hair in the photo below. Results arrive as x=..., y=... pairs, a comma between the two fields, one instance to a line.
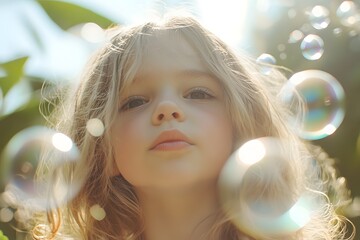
x=254, y=109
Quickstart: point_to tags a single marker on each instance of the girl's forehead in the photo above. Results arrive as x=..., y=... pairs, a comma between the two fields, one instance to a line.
x=171, y=51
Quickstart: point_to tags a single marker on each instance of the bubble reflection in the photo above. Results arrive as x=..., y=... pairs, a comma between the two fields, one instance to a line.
x=264, y=214
x=266, y=60
x=312, y=47
x=319, y=17
x=323, y=97
x=20, y=165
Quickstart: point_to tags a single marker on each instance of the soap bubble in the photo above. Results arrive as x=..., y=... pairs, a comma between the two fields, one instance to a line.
x=20, y=164
x=95, y=127
x=266, y=60
x=295, y=36
x=337, y=31
x=312, y=47
x=348, y=13
x=259, y=163
x=323, y=97
x=319, y=17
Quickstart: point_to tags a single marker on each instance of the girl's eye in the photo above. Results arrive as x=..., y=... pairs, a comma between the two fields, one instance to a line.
x=199, y=93
x=133, y=102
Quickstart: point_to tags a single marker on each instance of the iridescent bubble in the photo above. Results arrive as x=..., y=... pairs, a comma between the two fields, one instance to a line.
x=20, y=164
x=319, y=17
x=323, y=97
x=266, y=61
x=95, y=127
x=312, y=47
x=348, y=13
x=97, y=212
x=295, y=36
x=262, y=214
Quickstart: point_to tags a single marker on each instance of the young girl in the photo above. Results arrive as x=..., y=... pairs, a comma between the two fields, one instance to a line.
x=176, y=102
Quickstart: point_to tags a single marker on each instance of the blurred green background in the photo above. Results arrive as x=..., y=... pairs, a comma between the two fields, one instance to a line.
x=49, y=41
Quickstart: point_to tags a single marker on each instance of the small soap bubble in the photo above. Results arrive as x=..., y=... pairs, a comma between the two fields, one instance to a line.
x=295, y=36
x=337, y=31
x=319, y=17
x=312, y=47
x=323, y=97
x=281, y=47
x=20, y=164
x=348, y=13
x=283, y=56
x=266, y=61
x=95, y=127
x=6, y=215
x=261, y=214
x=97, y=212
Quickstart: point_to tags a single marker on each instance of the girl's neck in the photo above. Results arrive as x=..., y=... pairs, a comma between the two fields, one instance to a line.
x=181, y=213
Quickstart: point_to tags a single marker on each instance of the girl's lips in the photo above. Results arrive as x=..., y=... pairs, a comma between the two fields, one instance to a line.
x=171, y=145
x=170, y=140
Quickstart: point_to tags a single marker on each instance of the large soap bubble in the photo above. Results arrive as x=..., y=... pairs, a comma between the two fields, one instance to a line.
x=247, y=194
x=20, y=165
x=323, y=99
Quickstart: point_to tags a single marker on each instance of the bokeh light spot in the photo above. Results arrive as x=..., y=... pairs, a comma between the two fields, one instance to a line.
x=97, y=212
x=62, y=142
x=95, y=127
x=6, y=215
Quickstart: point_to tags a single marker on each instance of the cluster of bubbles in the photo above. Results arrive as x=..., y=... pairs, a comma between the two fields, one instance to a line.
x=29, y=185
x=257, y=213
x=312, y=45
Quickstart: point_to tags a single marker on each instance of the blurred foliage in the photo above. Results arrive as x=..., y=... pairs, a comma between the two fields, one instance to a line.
x=338, y=59
x=67, y=15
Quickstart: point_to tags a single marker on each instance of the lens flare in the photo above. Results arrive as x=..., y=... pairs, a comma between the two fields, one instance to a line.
x=266, y=61
x=323, y=97
x=312, y=47
x=20, y=166
x=259, y=163
x=319, y=17
x=95, y=127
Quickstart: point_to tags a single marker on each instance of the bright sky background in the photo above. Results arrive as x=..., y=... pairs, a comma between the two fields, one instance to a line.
x=62, y=55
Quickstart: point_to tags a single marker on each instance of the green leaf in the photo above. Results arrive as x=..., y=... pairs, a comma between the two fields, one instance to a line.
x=14, y=71
x=67, y=15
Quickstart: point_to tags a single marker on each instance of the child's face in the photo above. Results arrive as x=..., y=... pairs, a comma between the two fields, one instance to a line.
x=172, y=93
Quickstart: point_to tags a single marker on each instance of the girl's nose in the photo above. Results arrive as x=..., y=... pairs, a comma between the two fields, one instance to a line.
x=167, y=110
